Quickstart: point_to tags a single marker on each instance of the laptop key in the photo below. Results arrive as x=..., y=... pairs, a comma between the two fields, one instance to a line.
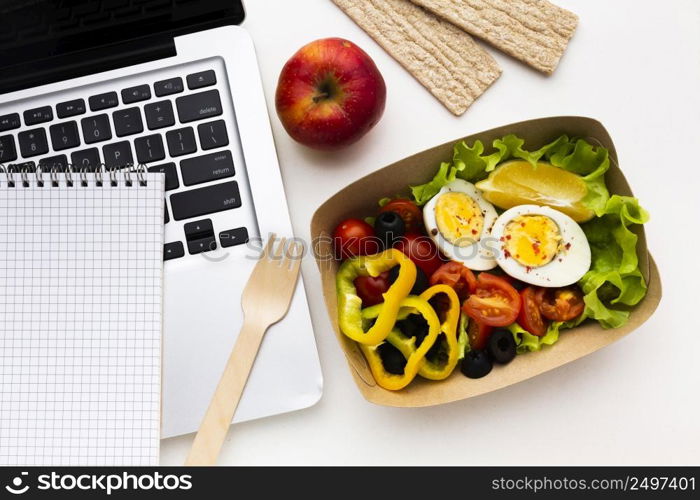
x=54, y=163
x=199, y=229
x=199, y=80
x=96, y=129
x=149, y=148
x=159, y=115
x=70, y=108
x=33, y=143
x=86, y=160
x=171, y=180
x=136, y=94
x=181, y=142
x=8, y=151
x=207, y=168
x=168, y=87
x=9, y=122
x=233, y=237
x=173, y=250
x=207, y=244
x=127, y=122
x=64, y=136
x=118, y=155
x=213, y=135
x=103, y=101
x=199, y=106
x=38, y=115
x=200, y=236
x=205, y=201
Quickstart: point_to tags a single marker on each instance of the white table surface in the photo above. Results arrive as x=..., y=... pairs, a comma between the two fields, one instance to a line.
x=633, y=65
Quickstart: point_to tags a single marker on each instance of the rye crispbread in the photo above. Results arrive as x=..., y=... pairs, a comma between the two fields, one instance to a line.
x=442, y=57
x=533, y=31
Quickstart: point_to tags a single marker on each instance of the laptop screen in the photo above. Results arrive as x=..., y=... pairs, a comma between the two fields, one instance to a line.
x=33, y=32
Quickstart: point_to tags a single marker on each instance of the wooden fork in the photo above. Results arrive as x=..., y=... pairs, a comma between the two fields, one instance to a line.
x=266, y=299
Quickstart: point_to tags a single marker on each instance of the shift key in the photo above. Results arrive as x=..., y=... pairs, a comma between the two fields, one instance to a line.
x=205, y=201
x=207, y=168
x=199, y=106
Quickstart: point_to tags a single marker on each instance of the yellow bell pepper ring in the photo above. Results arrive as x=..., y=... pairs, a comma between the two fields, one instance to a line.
x=350, y=304
x=443, y=368
x=416, y=360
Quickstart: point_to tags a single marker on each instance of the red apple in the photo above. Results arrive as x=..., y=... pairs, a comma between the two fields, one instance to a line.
x=330, y=94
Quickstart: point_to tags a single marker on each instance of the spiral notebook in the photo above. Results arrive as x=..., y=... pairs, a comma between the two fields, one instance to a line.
x=80, y=318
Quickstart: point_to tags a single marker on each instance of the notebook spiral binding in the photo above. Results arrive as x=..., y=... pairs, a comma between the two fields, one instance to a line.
x=72, y=176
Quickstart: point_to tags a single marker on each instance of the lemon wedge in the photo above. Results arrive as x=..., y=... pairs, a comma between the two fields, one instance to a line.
x=520, y=183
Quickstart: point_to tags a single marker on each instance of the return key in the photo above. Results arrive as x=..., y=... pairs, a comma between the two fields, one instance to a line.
x=207, y=168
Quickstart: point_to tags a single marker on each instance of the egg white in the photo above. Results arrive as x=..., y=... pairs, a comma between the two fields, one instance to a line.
x=480, y=255
x=567, y=267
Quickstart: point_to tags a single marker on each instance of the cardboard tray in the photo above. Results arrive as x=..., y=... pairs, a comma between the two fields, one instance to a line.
x=360, y=199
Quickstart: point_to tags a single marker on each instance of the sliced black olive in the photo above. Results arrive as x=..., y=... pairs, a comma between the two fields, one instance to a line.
x=416, y=326
x=502, y=346
x=394, y=274
x=421, y=282
x=438, y=353
x=442, y=304
x=419, y=287
x=476, y=364
x=389, y=227
x=392, y=359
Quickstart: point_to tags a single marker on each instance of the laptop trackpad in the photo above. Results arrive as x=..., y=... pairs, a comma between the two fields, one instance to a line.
x=203, y=316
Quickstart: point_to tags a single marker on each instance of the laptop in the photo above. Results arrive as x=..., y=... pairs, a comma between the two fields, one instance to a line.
x=173, y=85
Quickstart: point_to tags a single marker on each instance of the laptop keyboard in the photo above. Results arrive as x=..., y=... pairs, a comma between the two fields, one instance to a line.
x=179, y=118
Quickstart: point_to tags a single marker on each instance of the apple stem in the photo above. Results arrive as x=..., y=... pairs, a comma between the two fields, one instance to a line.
x=321, y=97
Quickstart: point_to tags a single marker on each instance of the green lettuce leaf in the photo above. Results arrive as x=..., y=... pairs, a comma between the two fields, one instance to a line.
x=462, y=337
x=471, y=164
x=527, y=342
x=423, y=194
x=590, y=162
x=614, y=282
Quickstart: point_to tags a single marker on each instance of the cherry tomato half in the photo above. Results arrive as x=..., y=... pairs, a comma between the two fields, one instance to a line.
x=494, y=303
x=478, y=334
x=457, y=276
x=530, y=317
x=421, y=250
x=561, y=304
x=410, y=213
x=354, y=237
x=370, y=289
x=517, y=284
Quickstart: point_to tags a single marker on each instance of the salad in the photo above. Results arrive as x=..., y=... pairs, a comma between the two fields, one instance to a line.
x=495, y=257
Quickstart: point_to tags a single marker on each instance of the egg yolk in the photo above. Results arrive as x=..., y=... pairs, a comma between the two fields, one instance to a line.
x=459, y=219
x=532, y=240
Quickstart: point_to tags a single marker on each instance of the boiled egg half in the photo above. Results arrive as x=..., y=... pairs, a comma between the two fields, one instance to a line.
x=541, y=246
x=459, y=219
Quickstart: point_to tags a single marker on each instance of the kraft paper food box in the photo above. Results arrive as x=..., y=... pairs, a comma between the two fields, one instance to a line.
x=360, y=199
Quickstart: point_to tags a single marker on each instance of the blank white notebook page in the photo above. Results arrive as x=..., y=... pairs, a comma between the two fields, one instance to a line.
x=81, y=278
